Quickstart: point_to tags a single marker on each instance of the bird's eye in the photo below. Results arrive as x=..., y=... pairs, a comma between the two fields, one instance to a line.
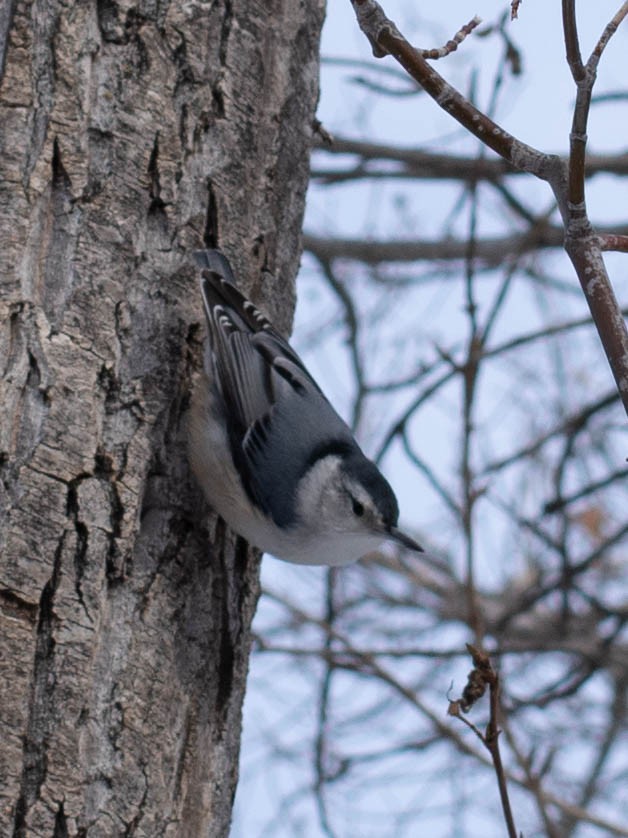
x=358, y=509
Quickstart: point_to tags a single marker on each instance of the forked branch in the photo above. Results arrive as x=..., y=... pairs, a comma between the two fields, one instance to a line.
x=583, y=246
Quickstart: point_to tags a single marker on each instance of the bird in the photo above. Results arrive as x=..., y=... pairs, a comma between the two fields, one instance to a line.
x=273, y=457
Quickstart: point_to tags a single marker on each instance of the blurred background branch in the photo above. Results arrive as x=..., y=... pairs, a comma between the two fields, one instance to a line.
x=438, y=307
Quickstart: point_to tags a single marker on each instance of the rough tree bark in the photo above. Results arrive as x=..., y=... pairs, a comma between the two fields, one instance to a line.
x=131, y=133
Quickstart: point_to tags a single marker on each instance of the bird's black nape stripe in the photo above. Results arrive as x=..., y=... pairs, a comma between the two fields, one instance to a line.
x=339, y=447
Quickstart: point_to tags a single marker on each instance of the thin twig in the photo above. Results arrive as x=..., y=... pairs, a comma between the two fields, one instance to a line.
x=607, y=34
x=481, y=676
x=570, y=30
x=353, y=325
x=453, y=44
x=321, y=744
x=613, y=242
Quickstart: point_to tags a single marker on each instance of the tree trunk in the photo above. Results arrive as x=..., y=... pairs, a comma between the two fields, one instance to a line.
x=132, y=133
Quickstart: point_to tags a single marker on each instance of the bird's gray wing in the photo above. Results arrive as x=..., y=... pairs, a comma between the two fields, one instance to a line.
x=300, y=427
x=278, y=421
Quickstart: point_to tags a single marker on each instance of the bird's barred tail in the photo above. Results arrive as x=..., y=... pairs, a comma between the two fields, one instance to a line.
x=215, y=261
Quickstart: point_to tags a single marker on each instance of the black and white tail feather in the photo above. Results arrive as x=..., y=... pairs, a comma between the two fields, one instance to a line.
x=274, y=458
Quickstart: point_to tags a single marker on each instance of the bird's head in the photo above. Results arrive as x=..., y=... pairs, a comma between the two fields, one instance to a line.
x=348, y=500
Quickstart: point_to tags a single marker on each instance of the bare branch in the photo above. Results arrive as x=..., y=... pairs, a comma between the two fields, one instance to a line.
x=581, y=244
x=481, y=676
x=489, y=252
x=428, y=165
x=570, y=29
x=605, y=37
x=453, y=44
x=387, y=40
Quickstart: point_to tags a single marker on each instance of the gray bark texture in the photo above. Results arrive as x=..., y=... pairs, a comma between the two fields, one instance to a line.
x=131, y=133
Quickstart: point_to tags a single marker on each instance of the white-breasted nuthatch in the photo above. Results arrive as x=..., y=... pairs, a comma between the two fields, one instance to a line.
x=273, y=457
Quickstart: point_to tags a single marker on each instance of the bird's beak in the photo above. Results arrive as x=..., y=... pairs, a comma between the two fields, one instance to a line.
x=402, y=538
